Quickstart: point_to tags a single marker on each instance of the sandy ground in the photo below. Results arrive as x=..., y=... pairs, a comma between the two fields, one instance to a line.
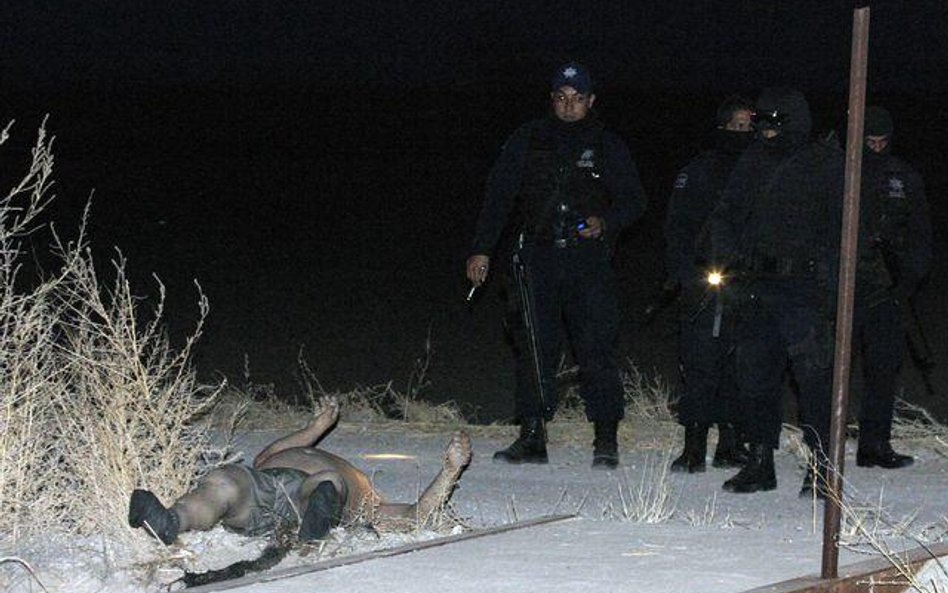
x=636, y=528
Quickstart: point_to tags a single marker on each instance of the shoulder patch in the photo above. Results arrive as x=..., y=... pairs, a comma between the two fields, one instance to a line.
x=681, y=182
x=896, y=188
x=587, y=159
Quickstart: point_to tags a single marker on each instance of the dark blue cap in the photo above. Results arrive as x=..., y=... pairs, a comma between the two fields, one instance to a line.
x=878, y=121
x=574, y=75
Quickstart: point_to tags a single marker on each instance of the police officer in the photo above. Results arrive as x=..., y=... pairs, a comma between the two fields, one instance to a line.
x=778, y=227
x=894, y=254
x=705, y=336
x=568, y=186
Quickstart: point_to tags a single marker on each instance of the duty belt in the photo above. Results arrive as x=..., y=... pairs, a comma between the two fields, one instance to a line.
x=546, y=241
x=783, y=266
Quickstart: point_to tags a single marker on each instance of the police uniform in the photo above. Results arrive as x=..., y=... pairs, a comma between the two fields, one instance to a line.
x=709, y=391
x=894, y=254
x=778, y=226
x=550, y=177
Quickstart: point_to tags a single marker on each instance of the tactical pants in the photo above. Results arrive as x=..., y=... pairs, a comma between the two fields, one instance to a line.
x=575, y=285
x=709, y=388
x=784, y=320
x=877, y=333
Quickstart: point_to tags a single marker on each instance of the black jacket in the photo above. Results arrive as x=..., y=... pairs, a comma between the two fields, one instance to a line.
x=696, y=193
x=505, y=201
x=894, y=215
x=782, y=209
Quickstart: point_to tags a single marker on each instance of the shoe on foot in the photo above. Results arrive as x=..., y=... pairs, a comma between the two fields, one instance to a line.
x=692, y=458
x=530, y=446
x=606, y=445
x=882, y=455
x=757, y=475
x=730, y=452
x=323, y=512
x=145, y=510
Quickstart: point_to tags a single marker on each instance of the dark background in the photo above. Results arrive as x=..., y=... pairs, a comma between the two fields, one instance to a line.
x=318, y=167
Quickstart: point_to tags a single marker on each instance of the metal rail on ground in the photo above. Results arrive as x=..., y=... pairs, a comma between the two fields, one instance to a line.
x=877, y=575
x=286, y=573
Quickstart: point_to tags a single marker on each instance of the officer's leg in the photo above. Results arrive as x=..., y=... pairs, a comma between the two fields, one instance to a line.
x=731, y=450
x=699, y=363
x=882, y=359
x=546, y=276
x=592, y=315
x=530, y=446
x=811, y=352
x=761, y=359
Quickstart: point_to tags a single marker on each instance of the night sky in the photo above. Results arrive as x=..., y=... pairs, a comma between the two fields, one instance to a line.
x=704, y=46
x=318, y=166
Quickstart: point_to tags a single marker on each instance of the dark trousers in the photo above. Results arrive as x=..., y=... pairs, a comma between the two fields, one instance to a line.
x=709, y=388
x=572, y=286
x=781, y=321
x=877, y=333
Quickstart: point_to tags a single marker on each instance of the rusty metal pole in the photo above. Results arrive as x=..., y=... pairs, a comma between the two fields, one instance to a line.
x=847, y=283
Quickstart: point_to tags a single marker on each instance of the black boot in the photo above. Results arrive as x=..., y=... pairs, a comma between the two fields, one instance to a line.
x=692, y=458
x=144, y=507
x=881, y=454
x=323, y=512
x=730, y=452
x=530, y=446
x=606, y=445
x=758, y=474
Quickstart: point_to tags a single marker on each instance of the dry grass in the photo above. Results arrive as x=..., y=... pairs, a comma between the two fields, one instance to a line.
x=649, y=498
x=914, y=423
x=868, y=528
x=93, y=399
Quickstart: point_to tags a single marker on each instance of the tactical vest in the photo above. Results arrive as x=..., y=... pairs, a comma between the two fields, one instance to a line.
x=792, y=231
x=885, y=209
x=561, y=185
x=889, y=205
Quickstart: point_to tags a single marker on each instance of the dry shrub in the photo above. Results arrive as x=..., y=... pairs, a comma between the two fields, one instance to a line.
x=647, y=398
x=868, y=527
x=30, y=377
x=915, y=423
x=94, y=400
x=650, y=499
x=129, y=419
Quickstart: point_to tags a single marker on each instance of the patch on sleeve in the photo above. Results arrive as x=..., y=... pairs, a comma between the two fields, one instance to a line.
x=681, y=182
x=896, y=188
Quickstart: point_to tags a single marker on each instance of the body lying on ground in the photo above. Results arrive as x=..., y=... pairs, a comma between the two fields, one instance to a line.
x=293, y=483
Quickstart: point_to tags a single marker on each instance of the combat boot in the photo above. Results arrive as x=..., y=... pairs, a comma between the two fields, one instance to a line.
x=530, y=446
x=606, y=445
x=758, y=474
x=145, y=510
x=692, y=459
x=883, y=455
x=730, y=452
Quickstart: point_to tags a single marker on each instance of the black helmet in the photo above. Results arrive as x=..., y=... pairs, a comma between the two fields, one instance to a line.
x=784, y=109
